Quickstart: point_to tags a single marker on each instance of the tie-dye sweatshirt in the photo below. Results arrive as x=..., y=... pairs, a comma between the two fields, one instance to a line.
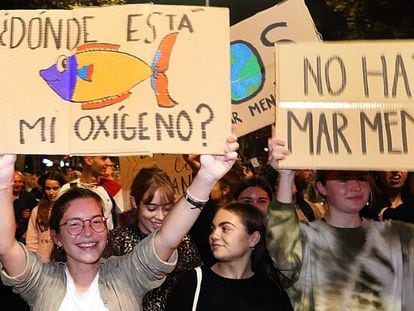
x=329, y=268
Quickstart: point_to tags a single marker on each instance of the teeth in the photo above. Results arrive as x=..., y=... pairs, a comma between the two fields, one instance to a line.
x=87, y=244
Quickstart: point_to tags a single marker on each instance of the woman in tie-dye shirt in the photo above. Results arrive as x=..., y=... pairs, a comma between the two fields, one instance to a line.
x=341, y=262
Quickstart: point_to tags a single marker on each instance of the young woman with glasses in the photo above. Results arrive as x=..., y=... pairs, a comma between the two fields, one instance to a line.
x=85, y=281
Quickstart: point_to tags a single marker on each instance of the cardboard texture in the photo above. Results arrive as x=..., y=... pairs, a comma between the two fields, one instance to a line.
x=173, y=164
x=130, y=79
x=252, y=60
x=346, y=105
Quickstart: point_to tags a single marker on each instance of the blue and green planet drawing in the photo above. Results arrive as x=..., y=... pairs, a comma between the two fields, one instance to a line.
x=247, y=72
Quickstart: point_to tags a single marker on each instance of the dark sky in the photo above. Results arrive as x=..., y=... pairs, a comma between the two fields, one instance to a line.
x=239, y=9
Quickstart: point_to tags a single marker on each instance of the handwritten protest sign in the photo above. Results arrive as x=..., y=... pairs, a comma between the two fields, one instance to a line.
x=346, y=104
x=131, y=79
x=252, y=60
x=173, y=164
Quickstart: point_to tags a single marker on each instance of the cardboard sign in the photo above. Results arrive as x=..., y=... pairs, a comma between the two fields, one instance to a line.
x=252, y=60
x=130, y=79
x=346, y=105
x=173, y=164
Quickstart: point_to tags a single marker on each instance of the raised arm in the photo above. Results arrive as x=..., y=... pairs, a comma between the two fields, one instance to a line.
x=12, y=256
x=283, y=235
x=277, y=152
x=181, y=218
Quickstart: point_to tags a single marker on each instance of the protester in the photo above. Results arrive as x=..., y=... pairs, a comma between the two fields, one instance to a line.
x=243, y=277
x=219, y=195
x=79, y=229
x=39, y=237
x=341, y=262
x=153, y=197
x=23, y=202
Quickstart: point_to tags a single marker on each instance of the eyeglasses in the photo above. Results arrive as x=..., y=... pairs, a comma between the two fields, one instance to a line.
x=75, y=226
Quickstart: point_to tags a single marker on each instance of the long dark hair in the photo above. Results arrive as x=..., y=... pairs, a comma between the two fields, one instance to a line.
x=42, y=217
x=254, y=220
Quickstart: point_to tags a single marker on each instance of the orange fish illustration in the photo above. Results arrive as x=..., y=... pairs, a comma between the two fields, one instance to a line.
x=98, y=75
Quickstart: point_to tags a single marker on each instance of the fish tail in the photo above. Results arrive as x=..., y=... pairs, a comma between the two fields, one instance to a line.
x=159, y=80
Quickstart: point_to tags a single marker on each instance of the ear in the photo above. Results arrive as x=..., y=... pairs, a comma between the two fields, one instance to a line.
x=254, y=238
x=56, y=238
x=226, y=190
x=133, y=202
x=321, y=188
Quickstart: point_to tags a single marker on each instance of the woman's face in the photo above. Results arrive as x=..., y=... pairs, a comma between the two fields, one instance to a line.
x=345, y=191
x=229, y=239
x=255, y=196
x=87, y=246
x=151, y=215
x=51, y=189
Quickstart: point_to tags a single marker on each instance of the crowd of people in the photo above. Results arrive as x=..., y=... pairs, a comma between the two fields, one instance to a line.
x=268, y=239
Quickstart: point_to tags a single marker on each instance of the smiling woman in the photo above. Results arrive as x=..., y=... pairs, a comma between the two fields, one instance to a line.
x=343, y=259
x=116, y=283
x=243, y=277
x=152, y=196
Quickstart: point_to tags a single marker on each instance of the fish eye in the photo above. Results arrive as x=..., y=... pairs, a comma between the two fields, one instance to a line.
x=62, y=63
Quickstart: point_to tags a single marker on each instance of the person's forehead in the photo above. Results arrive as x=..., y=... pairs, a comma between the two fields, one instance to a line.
x=81, y=207
x=18, y=176
x=253, y=190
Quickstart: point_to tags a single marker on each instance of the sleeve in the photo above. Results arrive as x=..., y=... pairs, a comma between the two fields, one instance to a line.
x=143, y=269
x=284, y=240
x=32, y=237
x=182, y=295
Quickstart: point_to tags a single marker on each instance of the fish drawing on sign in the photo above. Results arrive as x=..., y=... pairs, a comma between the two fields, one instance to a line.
x=98, y=75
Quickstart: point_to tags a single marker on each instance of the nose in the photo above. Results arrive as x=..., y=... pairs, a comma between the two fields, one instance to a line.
x=354, y=184
x=160, y=214
x=87, y=228
x=214, y=234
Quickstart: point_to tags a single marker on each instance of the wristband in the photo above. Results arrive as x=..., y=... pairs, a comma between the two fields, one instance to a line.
x=196, y=203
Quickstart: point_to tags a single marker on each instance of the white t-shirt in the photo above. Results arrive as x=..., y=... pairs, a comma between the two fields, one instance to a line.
x=89, y=300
